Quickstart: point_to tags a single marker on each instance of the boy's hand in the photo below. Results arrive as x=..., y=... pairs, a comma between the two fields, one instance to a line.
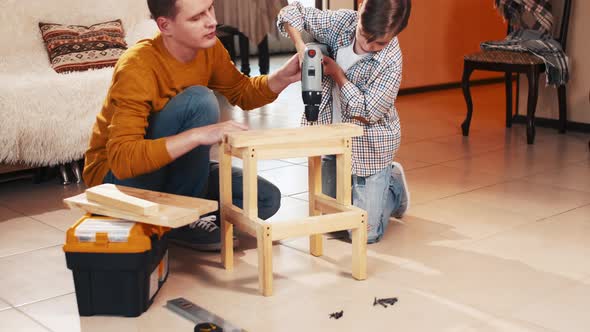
x=332, y=69
x=297, y=40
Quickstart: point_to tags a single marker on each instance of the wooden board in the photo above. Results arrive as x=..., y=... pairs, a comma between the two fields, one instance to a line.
x=309, y=134
x=174, y=210
x=109, y=195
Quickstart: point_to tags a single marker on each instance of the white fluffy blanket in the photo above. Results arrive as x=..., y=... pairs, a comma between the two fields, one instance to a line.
x=46, y=118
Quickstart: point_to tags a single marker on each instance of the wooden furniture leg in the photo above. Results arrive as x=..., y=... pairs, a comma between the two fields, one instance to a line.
x=316, y=241
x=225, y=199
x=264, y=248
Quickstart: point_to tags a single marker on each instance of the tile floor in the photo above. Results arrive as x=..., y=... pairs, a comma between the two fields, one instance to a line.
x=497, y=239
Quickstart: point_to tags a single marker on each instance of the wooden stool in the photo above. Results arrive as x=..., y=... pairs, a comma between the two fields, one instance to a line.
x=326, y=214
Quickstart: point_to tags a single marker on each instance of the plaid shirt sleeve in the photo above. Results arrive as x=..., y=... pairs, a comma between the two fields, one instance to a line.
x=377, y=100
x=322, y=25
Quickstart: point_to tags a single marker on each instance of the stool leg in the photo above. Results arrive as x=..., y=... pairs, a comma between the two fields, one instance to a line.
x=359, y=251
x=225, y=199
x=343, y=179
x=264, y=248
x=263, y=230
x=316, y=241
x=250, y=184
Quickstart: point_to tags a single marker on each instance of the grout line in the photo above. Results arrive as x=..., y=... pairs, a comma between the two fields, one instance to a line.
x=273, y=168
x=564, y=212
x=463, y=192
x=30, y=251
x=33, y=319
x=9, y=306
x=43, y=300
x=551, y=185
x=52, y=226
x=303, y=192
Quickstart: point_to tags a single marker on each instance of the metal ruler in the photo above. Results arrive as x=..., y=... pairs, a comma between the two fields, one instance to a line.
x=196, y=314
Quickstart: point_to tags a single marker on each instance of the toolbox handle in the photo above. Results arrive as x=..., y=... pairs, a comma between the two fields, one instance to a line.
x=102, y=238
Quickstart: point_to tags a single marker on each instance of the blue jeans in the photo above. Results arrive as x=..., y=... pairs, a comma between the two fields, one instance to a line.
x=379, y=194
x=193, y=174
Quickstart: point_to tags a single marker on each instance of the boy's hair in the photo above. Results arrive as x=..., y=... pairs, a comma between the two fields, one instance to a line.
x=166, y=8
x=384, y=17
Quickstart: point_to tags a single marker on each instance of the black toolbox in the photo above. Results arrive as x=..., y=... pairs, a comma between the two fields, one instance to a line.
x=118, y=266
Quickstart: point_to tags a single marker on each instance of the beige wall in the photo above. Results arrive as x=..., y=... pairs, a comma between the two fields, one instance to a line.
x=341, y=4
x=439, y=33
x=578, y=50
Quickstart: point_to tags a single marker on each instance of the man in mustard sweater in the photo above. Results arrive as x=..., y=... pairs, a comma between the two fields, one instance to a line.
x=160, y=116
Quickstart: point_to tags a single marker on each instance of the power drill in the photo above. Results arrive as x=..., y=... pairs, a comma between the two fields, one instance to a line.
x=312, y=72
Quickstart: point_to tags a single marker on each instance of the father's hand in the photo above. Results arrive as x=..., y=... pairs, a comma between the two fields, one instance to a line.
x=290, y=72
x=179, y=144
x=213, y=134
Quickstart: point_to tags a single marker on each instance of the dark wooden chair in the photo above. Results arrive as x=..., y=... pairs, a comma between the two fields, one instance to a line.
x=521, y=63
x=227, y=34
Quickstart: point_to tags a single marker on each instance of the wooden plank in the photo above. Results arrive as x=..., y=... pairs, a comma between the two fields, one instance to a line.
x=308, y=134
x=250, y=182
x=109, y=195
x=317, y=225
x=359, y=251
x=203, y=205
x=225, y=199
x=316, y=241
x=295, y=150
x=264, y=248
x=168, y=216
x=327, y=204
x=236, y=216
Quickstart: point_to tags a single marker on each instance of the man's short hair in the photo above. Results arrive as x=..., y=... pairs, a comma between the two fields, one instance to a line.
x=384, y=17
x=166, y=8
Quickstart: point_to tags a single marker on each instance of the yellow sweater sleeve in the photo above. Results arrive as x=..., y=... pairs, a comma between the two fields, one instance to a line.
x=129, y=153
x=239, y=89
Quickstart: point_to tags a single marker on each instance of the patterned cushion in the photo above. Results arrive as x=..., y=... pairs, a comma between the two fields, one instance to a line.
x=79, y=48
x=504, y=57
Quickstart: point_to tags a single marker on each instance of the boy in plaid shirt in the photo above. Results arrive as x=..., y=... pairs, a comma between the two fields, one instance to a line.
x=360, y=87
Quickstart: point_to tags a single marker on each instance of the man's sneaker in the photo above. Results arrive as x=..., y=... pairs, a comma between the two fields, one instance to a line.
x=202, y=234
x=398, y=173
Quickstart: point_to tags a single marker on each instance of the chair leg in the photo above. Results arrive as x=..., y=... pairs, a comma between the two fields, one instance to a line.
x=516, y=111
x=562, y=97
x=467, y=70
x=263, y=56
x=508, y=79
x=533, y=78
x=228, y=42
x=245, y=54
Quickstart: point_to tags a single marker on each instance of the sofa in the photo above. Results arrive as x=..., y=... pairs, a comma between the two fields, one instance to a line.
x=46, y=117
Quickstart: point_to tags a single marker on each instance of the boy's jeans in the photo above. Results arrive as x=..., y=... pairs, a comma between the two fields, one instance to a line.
x=193, y=174
x=378, y=194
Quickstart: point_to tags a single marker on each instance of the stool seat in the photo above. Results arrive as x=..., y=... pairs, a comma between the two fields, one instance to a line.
x=326, y=214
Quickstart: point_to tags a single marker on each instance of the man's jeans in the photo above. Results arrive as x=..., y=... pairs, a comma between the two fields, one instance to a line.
x=193, y=174
x=379, y=194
